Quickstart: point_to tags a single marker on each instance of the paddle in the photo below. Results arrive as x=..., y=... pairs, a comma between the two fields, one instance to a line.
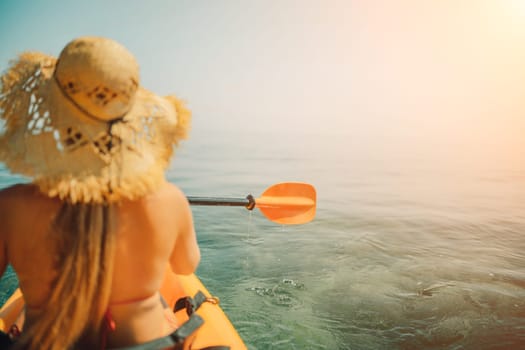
x=284, y=203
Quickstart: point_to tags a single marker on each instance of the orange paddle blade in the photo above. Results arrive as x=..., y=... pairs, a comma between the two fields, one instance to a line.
x=288, y=203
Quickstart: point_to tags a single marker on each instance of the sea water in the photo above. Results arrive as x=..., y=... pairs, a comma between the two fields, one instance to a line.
x=407, y=251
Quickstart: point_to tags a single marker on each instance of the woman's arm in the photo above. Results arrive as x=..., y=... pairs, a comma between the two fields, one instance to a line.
x=3, y=232
x=185, y=256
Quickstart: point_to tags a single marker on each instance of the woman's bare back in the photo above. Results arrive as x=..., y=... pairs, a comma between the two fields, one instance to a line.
x=150, y=233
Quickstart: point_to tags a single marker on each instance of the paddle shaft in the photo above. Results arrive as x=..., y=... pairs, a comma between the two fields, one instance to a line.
x=285, y=203
x=248, y=202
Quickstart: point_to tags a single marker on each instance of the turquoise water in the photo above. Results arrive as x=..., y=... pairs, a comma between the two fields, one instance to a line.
x=408, y=251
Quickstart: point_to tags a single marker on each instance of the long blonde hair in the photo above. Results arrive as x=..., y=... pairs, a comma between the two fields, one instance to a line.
x=74, y=314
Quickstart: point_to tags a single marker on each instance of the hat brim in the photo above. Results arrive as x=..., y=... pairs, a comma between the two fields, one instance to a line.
x=73, y=156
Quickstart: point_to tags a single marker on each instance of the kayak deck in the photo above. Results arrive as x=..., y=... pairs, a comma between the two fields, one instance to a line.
x=216, y=330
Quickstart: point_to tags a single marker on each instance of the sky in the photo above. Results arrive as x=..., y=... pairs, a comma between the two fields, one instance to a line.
x=440, y=75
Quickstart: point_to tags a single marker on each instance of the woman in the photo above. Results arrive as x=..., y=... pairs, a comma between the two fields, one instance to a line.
x=91, y=236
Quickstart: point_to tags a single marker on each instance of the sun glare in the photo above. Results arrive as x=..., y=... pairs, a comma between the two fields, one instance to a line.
x=518, y=6
x=516, y=13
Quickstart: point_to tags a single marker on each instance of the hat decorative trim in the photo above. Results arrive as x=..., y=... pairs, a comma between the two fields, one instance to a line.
x=78, y=146
x=82, y=109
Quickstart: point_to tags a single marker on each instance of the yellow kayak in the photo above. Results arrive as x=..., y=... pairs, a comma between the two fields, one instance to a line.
x=217, y=329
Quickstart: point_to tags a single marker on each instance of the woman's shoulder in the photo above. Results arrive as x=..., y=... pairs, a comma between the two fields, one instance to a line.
x=170, y=191
x=18, y=201
x=21, y=192
x=167, y=195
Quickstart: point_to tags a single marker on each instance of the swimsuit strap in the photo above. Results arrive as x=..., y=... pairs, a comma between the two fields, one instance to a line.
x=109, y=325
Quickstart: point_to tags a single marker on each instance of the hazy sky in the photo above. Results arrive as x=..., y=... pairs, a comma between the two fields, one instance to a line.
x=409, y=73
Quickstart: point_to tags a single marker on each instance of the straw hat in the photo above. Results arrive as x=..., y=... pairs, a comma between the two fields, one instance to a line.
x=82, y=127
